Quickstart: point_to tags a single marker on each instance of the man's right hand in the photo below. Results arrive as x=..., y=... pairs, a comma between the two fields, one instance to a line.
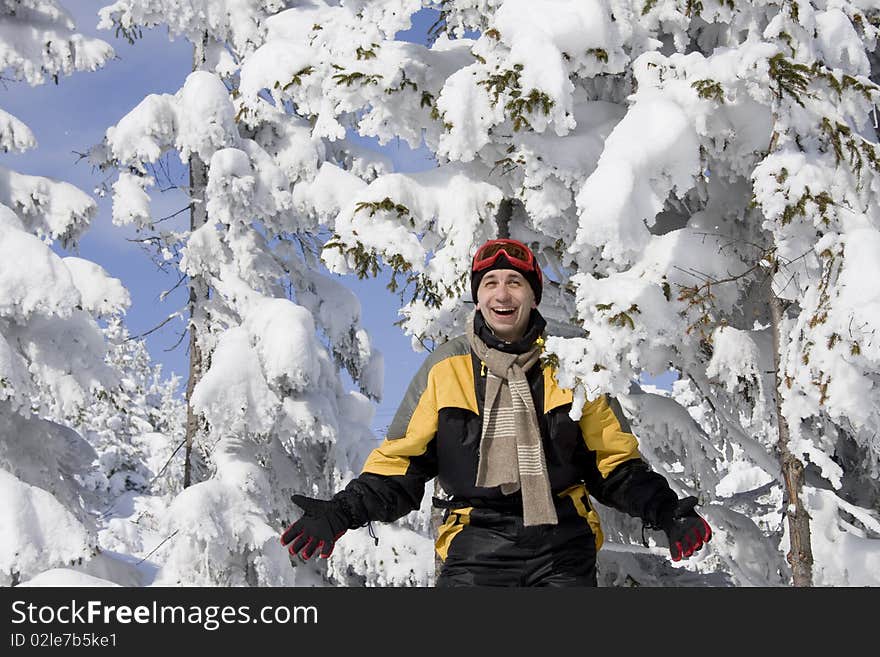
x=318, y=529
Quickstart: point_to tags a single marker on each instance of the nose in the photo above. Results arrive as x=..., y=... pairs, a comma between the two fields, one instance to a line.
x=502, y=293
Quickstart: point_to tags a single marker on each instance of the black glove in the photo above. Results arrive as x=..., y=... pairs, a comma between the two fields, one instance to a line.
x=318, y=529
x=685, y=528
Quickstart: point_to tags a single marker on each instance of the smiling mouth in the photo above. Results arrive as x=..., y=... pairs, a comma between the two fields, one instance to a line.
x=504, y=312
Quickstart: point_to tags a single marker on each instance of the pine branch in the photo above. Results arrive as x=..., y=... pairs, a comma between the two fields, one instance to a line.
x=159, y=474
x=154, y=329
x=164, y=540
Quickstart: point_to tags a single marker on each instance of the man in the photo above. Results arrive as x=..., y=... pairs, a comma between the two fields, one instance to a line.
x=486, y=417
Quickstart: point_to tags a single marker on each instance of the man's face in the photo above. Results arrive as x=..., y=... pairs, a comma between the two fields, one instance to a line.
x=506, y=300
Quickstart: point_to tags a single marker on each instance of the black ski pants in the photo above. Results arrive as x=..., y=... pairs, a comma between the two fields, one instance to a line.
x=496, y=549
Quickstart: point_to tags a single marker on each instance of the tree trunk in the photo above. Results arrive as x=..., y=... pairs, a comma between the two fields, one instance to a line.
x=800, y=555
x=198, y=180
x=195, y=375
x=502, y=218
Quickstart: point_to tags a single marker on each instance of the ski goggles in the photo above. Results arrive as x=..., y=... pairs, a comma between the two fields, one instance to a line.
x=517, y=254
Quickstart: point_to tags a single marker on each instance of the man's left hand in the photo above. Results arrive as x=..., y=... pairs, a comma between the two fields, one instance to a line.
x=686, y=530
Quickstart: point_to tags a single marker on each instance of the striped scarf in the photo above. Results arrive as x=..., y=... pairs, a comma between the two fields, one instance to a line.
x=511, y=455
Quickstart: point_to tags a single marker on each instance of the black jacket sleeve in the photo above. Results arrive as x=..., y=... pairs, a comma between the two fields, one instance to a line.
x=621, y=479
x=632, y=487
x=380, y=497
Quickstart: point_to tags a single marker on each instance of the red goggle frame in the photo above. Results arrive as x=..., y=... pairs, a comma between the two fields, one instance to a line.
x=519, y=255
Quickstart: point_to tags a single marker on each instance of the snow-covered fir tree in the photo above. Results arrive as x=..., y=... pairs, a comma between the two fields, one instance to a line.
x=137, y=427
x=700, y=184
x=51, y=347
x=274, y=330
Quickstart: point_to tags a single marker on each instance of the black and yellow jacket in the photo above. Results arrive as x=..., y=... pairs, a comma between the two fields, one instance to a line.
x=436, y=433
